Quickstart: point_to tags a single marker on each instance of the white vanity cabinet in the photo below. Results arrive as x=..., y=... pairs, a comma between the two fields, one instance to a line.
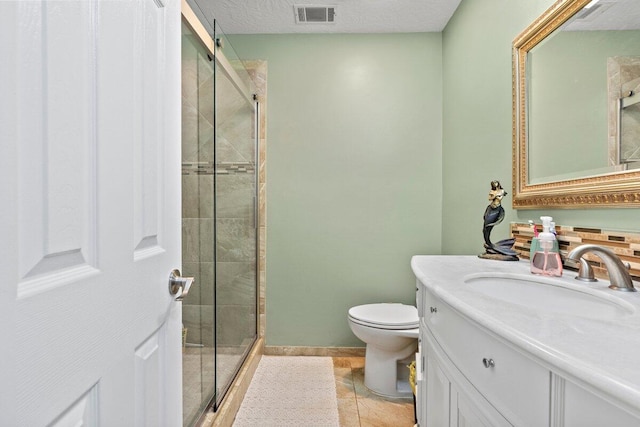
x=473, y=378
x=452, y=400
x=477, y=370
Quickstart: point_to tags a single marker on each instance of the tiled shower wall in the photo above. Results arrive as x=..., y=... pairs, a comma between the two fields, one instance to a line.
x=623, y=77
x=197, y=194
x=235, y=264
x=258, y=71
x=236, y=250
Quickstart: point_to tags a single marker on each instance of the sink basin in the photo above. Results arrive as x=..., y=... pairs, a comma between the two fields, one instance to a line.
x=550, y=295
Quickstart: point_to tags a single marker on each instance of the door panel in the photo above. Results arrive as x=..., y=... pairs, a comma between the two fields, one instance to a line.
x=148, y=382
x=56, y=186
x=83, y=412
x=90, y=151
x=148, y=102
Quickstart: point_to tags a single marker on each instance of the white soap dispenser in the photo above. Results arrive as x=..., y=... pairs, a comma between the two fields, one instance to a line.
x=546, y=260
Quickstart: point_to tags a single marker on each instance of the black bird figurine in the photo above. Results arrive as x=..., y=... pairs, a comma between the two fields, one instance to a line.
x=493, y=215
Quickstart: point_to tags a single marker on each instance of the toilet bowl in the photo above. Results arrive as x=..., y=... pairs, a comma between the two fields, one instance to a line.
x=391, y=334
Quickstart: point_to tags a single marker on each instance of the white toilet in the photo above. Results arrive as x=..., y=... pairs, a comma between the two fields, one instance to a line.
x=391, y=334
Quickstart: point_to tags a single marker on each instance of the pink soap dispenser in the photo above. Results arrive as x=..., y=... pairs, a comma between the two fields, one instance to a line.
x=546, y=260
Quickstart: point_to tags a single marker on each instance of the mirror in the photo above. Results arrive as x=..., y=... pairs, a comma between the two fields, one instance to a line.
x=576, y=107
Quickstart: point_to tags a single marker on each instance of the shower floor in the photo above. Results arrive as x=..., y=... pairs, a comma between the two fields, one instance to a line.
x=198, y=374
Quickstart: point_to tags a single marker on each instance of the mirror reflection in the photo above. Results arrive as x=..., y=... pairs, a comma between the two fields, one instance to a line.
x=583, y=93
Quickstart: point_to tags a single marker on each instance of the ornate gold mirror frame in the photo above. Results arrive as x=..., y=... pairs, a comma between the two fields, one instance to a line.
x=618, y=189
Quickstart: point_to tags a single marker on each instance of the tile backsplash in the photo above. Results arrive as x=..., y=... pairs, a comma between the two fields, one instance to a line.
x=626, y=244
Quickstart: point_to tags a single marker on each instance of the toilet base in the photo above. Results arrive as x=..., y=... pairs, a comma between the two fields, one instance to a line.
x=386, y=373
x=403, y=391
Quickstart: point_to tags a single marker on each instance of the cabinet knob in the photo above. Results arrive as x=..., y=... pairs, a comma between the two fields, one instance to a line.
x=433, y=309
x=488, y=363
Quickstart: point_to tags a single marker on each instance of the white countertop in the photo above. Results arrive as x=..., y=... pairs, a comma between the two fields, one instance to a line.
x=603, y=353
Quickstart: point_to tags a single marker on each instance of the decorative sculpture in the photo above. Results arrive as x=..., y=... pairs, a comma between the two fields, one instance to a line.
x=493, y=215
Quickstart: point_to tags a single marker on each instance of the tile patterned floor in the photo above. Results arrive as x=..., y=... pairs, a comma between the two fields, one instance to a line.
x=358, y=407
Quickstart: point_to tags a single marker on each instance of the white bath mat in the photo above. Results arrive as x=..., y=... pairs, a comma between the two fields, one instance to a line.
x=290, y=391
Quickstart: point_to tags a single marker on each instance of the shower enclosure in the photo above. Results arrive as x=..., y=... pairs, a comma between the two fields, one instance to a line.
x=219, y=210
x=623, y=85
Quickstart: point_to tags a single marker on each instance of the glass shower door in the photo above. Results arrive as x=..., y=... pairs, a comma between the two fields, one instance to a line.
x=236, y=215
x=219, y=221
x=197, y=226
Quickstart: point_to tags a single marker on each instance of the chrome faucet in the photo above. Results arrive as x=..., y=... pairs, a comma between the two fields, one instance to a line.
x=618, y=274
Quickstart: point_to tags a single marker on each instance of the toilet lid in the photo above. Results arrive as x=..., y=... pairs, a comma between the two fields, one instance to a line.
x=386, y=315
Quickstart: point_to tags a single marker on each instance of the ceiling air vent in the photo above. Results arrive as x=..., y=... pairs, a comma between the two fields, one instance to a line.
x=309, y=14
x=584, y=13
x=592, y=10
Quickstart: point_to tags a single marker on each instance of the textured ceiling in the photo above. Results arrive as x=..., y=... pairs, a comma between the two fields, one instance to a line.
x=352, y=16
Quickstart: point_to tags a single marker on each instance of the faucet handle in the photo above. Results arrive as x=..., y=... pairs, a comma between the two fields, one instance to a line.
x=585, y=274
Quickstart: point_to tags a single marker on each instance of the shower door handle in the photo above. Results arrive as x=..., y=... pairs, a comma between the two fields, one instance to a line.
x=177, y=282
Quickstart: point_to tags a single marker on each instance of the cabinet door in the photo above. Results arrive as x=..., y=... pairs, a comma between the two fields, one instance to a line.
x=466, y=414
x=438, y=394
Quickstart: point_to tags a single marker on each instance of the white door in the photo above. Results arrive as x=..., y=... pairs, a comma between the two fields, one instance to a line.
x=89, y=213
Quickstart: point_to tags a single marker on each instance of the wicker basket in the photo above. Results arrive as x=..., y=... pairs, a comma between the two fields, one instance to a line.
x=184, y=338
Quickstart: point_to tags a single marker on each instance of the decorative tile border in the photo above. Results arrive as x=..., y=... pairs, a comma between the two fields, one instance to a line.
x=234, y=168
x=626, y=244
x=197, y=168
x=224, y=168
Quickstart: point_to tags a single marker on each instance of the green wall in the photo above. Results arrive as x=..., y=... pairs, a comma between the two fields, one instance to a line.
x=354, y=175
x=477, y=115
x=381, y=147
x=477, y=125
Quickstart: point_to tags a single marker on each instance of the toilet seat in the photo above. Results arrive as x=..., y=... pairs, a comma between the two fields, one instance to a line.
x=391, y=316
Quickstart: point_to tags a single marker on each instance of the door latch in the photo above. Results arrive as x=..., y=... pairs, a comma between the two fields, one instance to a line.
x=177, y=283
